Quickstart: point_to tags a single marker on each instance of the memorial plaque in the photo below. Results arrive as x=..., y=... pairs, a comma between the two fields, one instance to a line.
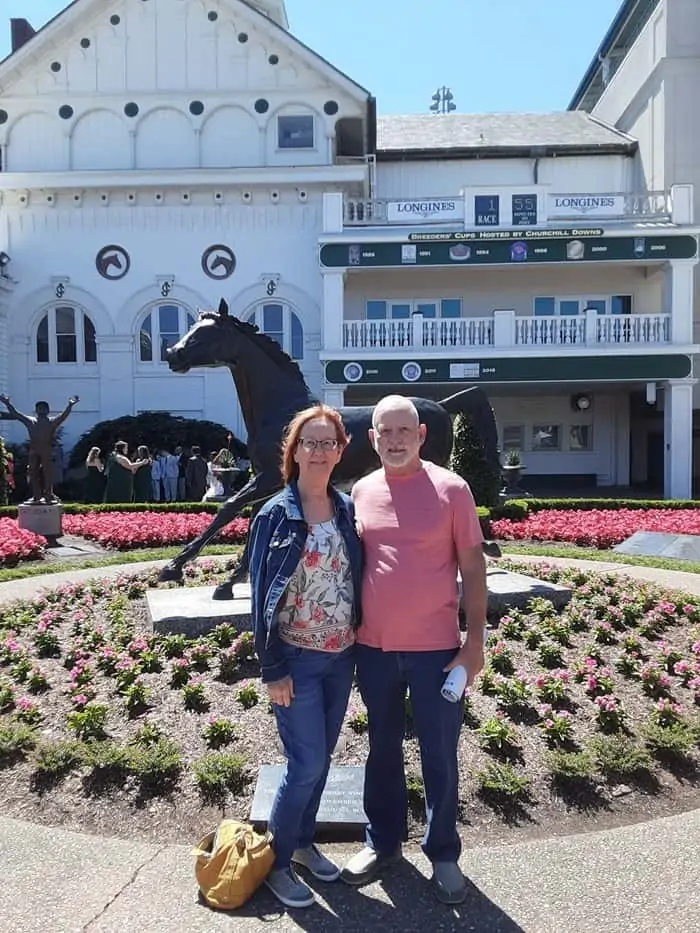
x=656, y=544
x=507, y=590
x=192, y=611
x=341, y=803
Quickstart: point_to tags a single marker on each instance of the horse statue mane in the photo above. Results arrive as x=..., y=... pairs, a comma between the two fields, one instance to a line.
x=269, y=346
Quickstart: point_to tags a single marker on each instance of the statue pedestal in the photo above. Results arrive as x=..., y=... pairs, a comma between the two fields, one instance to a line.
x=42, y=519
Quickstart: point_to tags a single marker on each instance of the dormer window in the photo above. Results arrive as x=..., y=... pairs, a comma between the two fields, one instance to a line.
x=295, y=132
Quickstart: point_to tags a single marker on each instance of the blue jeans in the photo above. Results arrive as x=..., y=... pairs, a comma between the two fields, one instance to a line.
x=383, y=677
x=309, y=729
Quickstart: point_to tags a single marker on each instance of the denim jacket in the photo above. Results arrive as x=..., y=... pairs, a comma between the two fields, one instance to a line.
x=277, y=538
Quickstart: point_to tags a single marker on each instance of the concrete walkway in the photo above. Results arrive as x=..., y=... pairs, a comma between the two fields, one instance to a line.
x=643, y=878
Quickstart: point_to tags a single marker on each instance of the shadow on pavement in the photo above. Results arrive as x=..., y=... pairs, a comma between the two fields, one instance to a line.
x=402, y=901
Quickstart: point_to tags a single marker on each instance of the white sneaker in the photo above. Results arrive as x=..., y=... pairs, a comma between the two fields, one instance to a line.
x=366, y=864
x=289, y=889
x=317, y=863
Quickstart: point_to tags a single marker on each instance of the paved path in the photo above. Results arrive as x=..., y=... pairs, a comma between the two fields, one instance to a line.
x=643, y=878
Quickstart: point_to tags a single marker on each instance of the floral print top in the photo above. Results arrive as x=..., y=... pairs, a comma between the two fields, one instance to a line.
x=317, y=607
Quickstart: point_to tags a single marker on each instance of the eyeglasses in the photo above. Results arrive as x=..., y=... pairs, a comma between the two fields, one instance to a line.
x=326, y=445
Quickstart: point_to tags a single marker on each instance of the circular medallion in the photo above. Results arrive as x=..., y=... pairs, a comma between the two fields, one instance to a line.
x=113, y=262
x=411, y=372
x=353, y=372
x=219, y=262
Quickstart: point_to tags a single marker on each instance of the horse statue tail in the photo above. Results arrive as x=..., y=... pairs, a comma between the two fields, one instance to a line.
x=473, y=402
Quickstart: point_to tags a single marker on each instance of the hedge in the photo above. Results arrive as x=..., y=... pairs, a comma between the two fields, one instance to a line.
x=514, y=509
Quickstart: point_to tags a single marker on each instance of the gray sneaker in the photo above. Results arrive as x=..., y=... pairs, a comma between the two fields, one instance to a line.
x=449, y=882
x=363, y=867
x=317, y=863
x=289, y=889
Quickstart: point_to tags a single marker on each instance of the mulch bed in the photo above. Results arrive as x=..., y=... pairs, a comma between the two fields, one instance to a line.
x=181, y=814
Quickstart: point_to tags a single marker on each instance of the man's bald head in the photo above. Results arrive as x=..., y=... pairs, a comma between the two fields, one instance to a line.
x=392, y=403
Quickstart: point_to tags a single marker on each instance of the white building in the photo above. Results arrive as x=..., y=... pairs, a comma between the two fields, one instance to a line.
x=157, y=156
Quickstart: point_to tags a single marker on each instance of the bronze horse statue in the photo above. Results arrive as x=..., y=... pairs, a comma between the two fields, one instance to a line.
x=271, y=390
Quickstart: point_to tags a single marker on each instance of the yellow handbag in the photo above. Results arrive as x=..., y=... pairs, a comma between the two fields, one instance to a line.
x=232, y=863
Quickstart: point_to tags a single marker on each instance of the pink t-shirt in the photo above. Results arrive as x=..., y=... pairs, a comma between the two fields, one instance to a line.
x=412, y=528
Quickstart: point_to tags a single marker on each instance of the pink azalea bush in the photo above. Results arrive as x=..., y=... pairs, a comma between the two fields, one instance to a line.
x=123, y=530
x=16, y=544
x=599, y=528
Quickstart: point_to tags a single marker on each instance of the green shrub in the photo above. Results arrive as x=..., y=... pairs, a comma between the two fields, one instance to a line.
x=155, y=429
x=514, y=509
x=16, y=739
x=586, y=505
x=56, y=759
x=570, y=766
x=155, y=764
x=469, y=461
x=619, y=754
x=501, y=779
x=219, y=772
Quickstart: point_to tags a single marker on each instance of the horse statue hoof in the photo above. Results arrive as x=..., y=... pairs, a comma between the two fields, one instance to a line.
x=492, y=549
x=171, y=573
x=223, y=591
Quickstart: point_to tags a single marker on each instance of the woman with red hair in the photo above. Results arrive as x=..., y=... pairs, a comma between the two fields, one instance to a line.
x=305, y=574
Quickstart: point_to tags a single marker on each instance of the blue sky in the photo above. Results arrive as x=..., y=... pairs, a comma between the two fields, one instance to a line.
x=496, y=55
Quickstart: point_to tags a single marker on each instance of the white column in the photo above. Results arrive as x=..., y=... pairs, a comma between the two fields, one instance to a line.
x=333, y=310
x=333, y=212
x=116, y=361
x=504, y=328
x=334, y=396
x=678, y=438
x=682, y=198
x=591, y=325
x=679, y=286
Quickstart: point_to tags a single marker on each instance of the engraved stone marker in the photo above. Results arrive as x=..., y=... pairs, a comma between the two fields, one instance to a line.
x=191, y=610
x=656, y=544
x=341, y=803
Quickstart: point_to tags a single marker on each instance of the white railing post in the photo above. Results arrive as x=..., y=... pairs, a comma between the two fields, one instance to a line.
x=504, y=328
x=682, y=204
x=333, y=309
x=333, y=212
x=591, y=325
x=417, y=336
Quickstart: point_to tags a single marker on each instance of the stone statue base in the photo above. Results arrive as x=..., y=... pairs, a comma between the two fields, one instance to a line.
x=41, y=518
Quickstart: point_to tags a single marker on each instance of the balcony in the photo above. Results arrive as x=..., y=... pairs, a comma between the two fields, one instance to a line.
x=616, y=207
x=506, y=330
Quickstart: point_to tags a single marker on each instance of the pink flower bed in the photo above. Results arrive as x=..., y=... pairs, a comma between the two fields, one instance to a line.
x=125, y=530
x=599, y=528
x=17, y=544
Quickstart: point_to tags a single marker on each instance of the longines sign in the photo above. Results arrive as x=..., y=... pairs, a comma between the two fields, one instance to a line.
x=585, y=205
x=428, y=211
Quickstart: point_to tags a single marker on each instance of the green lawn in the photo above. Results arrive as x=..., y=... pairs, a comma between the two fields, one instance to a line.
x=612, y=557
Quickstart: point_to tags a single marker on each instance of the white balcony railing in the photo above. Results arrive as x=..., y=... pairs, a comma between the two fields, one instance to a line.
x=506, y=330
x=629, y=207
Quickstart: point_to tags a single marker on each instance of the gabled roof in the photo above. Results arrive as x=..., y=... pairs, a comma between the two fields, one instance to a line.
x=51, y=30
x=467, y=135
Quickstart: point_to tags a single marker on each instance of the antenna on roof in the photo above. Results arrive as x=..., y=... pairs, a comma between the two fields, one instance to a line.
x=443, y=101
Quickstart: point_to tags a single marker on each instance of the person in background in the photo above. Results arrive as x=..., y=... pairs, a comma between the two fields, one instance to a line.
x=170, y=467
x=181, y=455
x=95, y=481
x=196, y=475
x=215, y=487
x=156, y=478
x=143, y=486
x=419, y=526
x=305, y=574
x=120, y=474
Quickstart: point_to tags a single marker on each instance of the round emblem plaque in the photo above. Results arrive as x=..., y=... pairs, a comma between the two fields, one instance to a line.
x=113, y=262
x=219, y=262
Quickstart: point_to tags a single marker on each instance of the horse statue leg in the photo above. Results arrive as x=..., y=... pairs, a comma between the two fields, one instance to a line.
x=259, y=488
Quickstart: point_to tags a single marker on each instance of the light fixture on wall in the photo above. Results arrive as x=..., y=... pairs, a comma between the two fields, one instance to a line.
x=581, y=402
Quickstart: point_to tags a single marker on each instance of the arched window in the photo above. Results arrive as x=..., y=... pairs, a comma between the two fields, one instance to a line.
x=278, y=321
x=162, y=327
x=66, y=335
